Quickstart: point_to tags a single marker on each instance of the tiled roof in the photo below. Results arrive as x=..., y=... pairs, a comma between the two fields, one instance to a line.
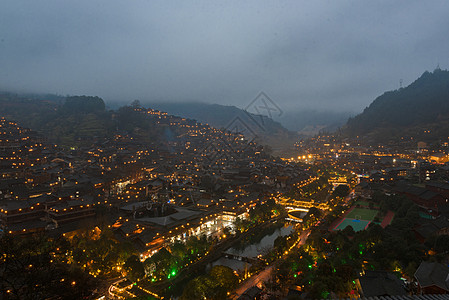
x=429, y=274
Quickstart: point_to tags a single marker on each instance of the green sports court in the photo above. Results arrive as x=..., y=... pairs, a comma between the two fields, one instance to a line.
x=357, y=218
x=357, y=225
x=362, y=214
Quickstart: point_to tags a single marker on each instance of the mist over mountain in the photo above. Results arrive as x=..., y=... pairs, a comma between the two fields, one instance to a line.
x=82, y=120
x=265, y=130
x=418, y=111
x=69, y=121
x=218, y=115
x=309, y=122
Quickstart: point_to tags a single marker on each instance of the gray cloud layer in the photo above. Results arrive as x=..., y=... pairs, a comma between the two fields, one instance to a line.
x=320, y=54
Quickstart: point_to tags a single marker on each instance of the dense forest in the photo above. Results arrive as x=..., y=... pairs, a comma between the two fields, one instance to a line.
x=420, y=110
x=261, y=128
x=75, y=121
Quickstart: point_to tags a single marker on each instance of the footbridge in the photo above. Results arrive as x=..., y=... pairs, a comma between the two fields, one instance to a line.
x=296, y=208
x=293, y=204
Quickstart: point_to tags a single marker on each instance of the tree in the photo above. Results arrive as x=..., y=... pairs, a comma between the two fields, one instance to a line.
x=315, y=240
x=225, y=279
x=179, y=250
x=312, y=213
x=28, y=271
x=324, y=269
x=280, y=243
x=160, y=263
x=442, y=244
x=348, y=231
x=136, y=104
x=341, y=191
x=201, y=287
x=134, y=268
x=319, y=290
x=345, y=272
x=215, y=285
x=410, y=270
x=83, y=104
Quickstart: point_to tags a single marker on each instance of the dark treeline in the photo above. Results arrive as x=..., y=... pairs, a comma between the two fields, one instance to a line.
x=74, y=121
x=415, y=110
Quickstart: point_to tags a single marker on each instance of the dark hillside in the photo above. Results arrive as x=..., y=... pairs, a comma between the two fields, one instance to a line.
x=420, y=110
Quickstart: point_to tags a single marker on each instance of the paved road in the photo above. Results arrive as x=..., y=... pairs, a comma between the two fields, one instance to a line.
x=259, y=279
x=263, y=276
x=256, y=280
x=304, y=235
x=115, y=281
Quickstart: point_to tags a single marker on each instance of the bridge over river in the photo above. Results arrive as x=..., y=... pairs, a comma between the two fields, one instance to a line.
x=297, y=209
x=296, y=214
x=306, y=204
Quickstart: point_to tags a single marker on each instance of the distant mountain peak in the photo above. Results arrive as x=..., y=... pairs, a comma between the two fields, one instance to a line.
x=412, y=111
x=265, y=130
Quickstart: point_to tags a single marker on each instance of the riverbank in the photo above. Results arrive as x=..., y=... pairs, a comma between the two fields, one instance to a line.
x=175, y=285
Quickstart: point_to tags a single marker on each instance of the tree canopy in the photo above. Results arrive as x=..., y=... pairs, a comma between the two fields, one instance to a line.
x=420, y=110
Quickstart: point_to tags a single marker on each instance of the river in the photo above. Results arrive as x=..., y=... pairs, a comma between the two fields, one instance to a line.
x=251, y=251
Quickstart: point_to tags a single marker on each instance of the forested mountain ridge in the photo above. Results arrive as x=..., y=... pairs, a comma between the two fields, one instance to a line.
x=80, y=121
x=265, y=130
x=69, y=121
x=420, y=111
x=220, y=116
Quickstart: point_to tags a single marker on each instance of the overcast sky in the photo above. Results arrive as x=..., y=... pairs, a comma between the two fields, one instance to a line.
x=319, y=54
